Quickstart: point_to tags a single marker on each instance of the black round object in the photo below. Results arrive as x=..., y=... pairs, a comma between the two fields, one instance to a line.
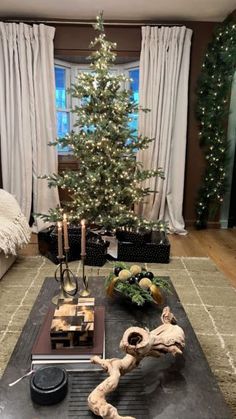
x=117, y=270
x=132, y=280
x=149, y=275
x=48, y=385
x=140, y=275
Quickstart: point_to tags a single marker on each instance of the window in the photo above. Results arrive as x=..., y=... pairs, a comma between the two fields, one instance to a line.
x=134, y=86
x=132, y=72
x=62, y=79
x=65, y=75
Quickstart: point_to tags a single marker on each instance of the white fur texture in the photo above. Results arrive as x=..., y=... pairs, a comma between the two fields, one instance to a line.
x=14, y=228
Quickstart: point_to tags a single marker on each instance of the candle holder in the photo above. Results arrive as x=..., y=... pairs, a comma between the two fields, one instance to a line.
x=66, y=278
x=85, y=292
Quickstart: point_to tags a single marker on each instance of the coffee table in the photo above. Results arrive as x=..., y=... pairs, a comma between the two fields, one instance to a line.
x=160, y=389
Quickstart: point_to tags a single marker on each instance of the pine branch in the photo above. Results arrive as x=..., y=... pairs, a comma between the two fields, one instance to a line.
x=109, y=179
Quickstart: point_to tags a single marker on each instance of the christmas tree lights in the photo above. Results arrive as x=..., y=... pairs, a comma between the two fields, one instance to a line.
x=109, y=180
x=212, y=111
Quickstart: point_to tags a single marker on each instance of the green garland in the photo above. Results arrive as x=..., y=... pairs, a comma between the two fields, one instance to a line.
x=212, y=112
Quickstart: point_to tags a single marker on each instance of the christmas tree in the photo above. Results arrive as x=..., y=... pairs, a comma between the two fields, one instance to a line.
x=109, y=180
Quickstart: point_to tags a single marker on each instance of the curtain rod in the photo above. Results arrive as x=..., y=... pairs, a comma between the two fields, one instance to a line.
x=86, y=22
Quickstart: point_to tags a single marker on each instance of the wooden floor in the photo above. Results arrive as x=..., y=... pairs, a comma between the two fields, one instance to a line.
x=219, y=245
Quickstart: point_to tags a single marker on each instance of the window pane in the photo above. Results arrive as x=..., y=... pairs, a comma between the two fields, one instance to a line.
x=63, y=126
x=60, y=77
x=134, y=86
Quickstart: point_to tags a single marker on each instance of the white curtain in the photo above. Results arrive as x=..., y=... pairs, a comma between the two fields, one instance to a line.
x=164, y=72
x=28, y=115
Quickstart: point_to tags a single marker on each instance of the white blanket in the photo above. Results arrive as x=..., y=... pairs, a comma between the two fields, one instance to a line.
x=14, y=228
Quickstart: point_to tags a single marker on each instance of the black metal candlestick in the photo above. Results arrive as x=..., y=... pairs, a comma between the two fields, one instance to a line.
x=58, y=275
x=66, y=278
x=70, y=284
x=85, y=292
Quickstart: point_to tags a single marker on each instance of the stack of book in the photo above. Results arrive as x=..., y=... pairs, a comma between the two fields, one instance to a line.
x=72, y=348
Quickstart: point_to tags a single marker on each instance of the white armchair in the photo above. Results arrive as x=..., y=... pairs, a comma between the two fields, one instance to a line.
x=14, y=230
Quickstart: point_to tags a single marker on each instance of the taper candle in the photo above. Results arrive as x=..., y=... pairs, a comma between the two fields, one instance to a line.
x=59, y=240
x=65, y=231
x=83, y=237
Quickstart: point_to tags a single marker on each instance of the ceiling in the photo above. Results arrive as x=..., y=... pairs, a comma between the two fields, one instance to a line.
x=124, y=10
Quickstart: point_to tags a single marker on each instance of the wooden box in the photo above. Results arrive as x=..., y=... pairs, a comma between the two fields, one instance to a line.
x=73, y=323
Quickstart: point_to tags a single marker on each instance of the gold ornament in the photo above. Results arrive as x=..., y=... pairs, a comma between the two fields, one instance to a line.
x=111, y=286
x=135, y=269
x=145, y=283
x=124, y=275
x=156, y=294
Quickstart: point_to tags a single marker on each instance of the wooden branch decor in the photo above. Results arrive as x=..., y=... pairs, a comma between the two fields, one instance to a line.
x=137, y=343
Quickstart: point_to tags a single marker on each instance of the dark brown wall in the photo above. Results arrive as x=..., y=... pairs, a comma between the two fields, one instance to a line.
x=202, y=34
x=74, y=40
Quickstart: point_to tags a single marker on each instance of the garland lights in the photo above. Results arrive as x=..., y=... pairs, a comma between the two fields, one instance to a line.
x=212, y=112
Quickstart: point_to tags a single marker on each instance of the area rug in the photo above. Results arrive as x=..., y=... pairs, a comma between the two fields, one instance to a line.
x=207, y=296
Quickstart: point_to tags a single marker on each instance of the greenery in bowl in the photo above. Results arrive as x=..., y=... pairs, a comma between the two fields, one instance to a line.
x=137, y=284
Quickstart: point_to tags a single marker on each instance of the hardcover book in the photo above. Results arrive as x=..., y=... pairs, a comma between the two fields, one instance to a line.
x=42, y=349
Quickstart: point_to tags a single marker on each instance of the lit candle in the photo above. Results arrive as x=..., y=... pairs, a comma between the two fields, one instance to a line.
x=65, y=231
x=59, y=239
x=83, y=237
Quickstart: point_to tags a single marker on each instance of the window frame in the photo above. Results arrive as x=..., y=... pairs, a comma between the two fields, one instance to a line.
x=72, y=70
x=125, y=68
x=68, y=67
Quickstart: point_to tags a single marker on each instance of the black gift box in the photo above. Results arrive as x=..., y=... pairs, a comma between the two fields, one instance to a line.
x=74, y=239
x=96, y=253
x=45, y=244
x=156, y=251
x=96, y=248
x=138, y=237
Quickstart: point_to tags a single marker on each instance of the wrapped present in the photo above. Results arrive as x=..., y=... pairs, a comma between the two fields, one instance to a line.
x=130, y=235
x=155, y=251
x=96, y=247
x=46, y=245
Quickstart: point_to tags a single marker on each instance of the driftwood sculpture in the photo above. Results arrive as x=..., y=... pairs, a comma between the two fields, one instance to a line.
x=137, y=343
